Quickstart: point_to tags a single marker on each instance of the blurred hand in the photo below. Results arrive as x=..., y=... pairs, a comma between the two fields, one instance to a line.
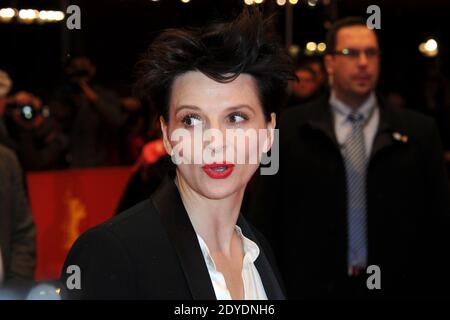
x=88, y=91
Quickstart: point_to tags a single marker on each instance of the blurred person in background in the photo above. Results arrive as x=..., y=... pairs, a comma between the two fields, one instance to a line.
x=134, y=131
x=32, y=133
x=360, y=183
x=304, y=88
x=148, y=173
x=310, y=83
x=5, y=88
x=89, y=114
x=17, y=231
x=150, y=166
x=317, y=65
x=436, y=103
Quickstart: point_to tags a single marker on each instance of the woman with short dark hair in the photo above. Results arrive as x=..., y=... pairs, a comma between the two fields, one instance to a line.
x=189, y=240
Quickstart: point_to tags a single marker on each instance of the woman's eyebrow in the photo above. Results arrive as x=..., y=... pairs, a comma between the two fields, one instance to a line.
x=231, y=108
x=240, y=106
x=191, y=107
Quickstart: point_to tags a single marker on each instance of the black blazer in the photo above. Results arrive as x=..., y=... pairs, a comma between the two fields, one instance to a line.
x=302, y=209
x=151, y=251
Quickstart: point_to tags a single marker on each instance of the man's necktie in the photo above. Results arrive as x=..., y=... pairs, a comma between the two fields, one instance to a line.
x=356, y=166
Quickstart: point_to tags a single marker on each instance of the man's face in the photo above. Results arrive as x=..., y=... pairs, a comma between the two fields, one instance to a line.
x=306, y=85
x=354, y=68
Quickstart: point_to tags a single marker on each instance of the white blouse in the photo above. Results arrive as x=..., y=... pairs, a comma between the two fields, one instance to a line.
x=253, y=286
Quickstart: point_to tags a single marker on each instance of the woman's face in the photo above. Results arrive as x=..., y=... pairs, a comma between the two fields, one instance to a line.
x=223, y=129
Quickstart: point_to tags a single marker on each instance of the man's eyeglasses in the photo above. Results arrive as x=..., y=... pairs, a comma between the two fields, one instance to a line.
x=356, y=53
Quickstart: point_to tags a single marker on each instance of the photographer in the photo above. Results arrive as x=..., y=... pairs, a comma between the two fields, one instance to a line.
x=89, y=115
x=32, y=133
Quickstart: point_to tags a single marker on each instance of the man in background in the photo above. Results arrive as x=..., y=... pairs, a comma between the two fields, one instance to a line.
x=360, y=184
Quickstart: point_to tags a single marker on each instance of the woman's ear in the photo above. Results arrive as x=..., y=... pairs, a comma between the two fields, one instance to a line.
x=270, y=133
x=165, y=134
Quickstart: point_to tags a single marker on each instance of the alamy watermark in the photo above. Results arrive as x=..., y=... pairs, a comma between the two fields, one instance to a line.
x=238, y=146
x=73, y=281
x=374, y=20
x=73, y=21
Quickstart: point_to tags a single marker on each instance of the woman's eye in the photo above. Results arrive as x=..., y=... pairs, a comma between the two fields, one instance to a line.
x=191, y=120
x=238, y=117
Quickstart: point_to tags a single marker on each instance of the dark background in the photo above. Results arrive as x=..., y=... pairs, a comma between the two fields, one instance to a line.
x=115, y=32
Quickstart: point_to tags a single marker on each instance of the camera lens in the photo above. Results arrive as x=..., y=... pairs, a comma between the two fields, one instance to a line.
x=27, y=112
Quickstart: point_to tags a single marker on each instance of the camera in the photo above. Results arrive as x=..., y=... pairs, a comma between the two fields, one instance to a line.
x=27, y=111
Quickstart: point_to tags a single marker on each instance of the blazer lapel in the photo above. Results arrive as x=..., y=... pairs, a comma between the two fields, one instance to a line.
x=270, y=282
x=175, y=219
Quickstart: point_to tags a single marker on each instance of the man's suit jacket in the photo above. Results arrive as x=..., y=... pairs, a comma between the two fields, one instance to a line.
x=303, y=208
x=17, y=232
x=151, y=251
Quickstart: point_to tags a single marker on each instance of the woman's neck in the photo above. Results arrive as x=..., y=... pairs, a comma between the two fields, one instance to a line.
x=214, y=220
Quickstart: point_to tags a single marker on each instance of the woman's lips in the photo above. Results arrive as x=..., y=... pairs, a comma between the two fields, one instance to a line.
x=218, y=170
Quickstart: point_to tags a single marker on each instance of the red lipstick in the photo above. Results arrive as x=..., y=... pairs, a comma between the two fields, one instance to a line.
x=218, y=170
